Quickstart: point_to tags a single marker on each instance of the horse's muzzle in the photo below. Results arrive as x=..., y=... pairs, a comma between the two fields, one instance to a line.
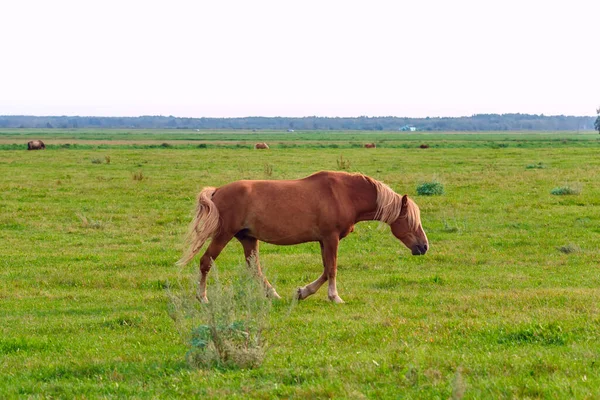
x=419, y=249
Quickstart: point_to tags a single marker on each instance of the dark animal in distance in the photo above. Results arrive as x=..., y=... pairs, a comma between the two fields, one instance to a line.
x=36, y=145
x=370, y=145
x=261, y=145
x=322, y=207
x=424, y=146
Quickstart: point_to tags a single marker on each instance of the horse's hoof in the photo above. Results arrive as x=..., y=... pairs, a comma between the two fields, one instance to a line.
x=299, y=294
x=202, y=299
x=336, y=299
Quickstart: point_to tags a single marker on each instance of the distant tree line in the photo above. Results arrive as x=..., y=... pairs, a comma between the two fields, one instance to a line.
x=479, y=122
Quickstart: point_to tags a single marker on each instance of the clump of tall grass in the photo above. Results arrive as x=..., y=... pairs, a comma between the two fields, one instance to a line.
x=342, y=163
x=138, y=176
x=96, y=161
x=458, y=385
x=268, y=169
x=226, y=332
x=433, y=188
x=565, y=190
x=90, y=223
x=450, y=227
x=107, y=159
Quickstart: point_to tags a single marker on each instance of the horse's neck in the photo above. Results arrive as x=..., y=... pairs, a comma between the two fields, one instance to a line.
x=365, y=200
x=366, y=216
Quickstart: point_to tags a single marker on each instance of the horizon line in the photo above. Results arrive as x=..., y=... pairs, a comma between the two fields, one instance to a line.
x=282, y=116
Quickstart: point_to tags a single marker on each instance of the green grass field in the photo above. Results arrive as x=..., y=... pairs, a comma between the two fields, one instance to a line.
x=505, y=304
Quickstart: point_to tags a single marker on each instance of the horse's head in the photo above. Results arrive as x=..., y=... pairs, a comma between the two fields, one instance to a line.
x=408, y=229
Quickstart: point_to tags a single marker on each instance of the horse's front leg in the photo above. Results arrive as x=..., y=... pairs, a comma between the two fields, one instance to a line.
x=311, y=288
x=329, y=248
x=329, y=252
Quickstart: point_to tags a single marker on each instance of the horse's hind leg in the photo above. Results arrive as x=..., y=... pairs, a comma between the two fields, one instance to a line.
x=212, y=252
x=250, y=245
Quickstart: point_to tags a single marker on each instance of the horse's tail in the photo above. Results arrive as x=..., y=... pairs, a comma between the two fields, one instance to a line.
x=204, y=225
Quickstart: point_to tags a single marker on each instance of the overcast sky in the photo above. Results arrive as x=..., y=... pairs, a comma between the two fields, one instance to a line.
x=299, y=58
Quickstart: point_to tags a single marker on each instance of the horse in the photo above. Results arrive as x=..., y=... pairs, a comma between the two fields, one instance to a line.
x=322, y=207
x=36, y=145
x=262, y=145
x=370, y=145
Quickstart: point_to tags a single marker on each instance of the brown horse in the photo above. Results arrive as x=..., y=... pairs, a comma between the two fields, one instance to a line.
x=322, y=207
x=36, y=145
x=262, y=145
x=370, y=145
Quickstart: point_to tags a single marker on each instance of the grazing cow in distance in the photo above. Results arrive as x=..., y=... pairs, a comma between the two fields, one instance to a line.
x=261, y=145
x=370, y=145
x=36, y=145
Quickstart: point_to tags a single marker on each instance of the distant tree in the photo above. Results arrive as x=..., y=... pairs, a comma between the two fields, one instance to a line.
x=597, y=123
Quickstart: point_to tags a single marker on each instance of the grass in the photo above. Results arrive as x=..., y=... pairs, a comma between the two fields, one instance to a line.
x=14, y=139
x=494, y=310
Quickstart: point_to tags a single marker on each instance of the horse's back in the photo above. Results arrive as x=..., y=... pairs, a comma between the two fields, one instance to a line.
x=283, y=211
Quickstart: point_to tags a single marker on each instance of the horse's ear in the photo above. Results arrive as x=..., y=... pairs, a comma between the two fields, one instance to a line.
x=404, y=206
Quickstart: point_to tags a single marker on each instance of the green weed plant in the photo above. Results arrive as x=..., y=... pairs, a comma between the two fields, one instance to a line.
x=433, y=188
x=228, y=331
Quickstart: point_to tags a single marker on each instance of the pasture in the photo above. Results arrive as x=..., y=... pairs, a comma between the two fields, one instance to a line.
x=504, y=305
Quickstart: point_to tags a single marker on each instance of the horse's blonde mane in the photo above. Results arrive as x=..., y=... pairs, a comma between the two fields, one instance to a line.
x=389, y=206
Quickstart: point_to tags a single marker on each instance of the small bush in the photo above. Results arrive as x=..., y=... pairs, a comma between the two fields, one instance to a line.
x=565, y=190
x=569, y=248
x=138, y=176
x=430, y=188
x=343, y=164
x=166, y=145
x=202, y=146
x=535, y=166
x=227, y=332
